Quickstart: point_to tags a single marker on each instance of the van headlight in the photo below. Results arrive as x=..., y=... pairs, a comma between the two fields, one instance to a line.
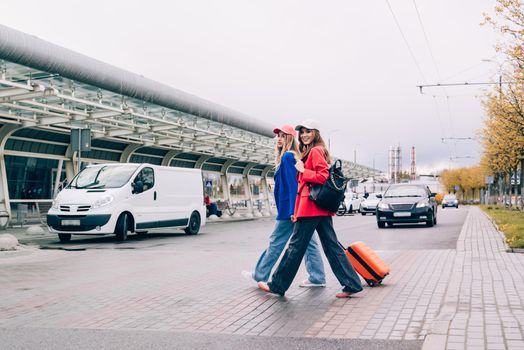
x=383, y=206
x=55, y=205
x=422, y=204
x=102, y=202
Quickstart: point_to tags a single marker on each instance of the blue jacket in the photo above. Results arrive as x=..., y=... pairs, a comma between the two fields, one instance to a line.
x=286, y=186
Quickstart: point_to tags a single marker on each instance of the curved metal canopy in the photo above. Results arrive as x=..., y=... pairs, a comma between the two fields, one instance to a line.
x=24, y=49
x=45, y=86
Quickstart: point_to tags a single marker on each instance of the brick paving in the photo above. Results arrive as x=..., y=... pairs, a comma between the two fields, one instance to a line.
x=467, y=298
x=483, y=304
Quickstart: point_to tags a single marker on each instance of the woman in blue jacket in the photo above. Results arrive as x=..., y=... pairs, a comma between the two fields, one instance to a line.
x=286, y=186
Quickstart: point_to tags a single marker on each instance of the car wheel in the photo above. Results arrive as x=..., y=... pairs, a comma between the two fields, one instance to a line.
x=381, y=224
x=429, y=222
x=443, y=207
x=434, y=219
x=457, y=206
x=194, y=224
x=64, y=237
x=121, y=227
x=364, y=214
x=341, y=209
x=350, y=209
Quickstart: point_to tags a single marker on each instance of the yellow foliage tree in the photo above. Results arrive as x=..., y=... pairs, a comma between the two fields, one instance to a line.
x=503, y=132
x=467, y=181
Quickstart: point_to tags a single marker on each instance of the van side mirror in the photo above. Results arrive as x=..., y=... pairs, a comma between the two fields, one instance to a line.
x=379, y=196
x=138, y=187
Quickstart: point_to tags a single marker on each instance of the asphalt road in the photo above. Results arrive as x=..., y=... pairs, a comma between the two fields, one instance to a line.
x=403, y=236
x=253, y=234
x=79, y=339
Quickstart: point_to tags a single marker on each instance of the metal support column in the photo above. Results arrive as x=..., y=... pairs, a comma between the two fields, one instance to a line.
x=225, y=183
x=58, y=177
x=5, y=132
x=265, y=189
x=247, y=189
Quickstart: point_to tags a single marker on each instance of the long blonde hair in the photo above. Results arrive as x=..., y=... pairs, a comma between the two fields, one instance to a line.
x=317, y=141
x=290, y=144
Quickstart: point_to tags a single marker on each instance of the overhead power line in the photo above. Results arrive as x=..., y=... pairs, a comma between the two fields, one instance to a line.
x=456, y=138
x=427, y=40
x=462, y=84
x=406, y=41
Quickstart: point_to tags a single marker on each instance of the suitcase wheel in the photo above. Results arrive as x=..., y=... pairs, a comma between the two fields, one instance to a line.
x=371, y=283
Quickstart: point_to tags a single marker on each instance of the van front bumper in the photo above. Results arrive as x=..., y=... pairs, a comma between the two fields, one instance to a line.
x=77, y=223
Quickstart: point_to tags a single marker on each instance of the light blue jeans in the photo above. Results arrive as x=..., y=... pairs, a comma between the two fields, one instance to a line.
x=277, y=242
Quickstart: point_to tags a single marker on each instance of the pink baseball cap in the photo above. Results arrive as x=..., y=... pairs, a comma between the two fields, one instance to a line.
x=286, y=129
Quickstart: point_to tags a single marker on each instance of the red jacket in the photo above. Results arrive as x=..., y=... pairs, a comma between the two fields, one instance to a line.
x=316, y=170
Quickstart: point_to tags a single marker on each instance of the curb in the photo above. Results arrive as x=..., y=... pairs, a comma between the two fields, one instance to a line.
x=507, y=247
x=438, y=333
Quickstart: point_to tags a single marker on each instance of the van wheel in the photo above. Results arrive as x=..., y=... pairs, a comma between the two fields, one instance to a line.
x=121, y=228
x=194, y=224
x=64, y=237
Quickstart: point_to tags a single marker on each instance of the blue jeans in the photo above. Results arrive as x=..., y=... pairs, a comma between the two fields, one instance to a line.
x=277, y=242
x=302, y=232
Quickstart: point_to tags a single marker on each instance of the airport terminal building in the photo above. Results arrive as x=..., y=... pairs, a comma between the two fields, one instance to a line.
x=47, y=90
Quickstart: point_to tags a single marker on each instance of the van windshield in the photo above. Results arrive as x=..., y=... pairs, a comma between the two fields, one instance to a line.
x=103, y=176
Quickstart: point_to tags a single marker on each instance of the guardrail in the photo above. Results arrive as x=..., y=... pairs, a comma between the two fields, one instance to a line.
x=27, y=209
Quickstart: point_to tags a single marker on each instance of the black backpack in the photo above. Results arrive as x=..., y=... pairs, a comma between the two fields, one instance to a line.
x=329, y=195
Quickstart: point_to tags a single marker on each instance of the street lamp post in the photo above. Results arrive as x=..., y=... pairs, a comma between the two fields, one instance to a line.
x=329, y=137
x=355, y=153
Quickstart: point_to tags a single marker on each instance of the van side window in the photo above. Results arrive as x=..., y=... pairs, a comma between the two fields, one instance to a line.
x=147, y=176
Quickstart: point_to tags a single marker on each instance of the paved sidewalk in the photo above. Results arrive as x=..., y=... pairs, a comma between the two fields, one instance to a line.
x=465, y=298
x=483, y=304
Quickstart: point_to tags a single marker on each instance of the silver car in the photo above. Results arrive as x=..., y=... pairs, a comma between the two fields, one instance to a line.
x=369, y=205
x=450, y=200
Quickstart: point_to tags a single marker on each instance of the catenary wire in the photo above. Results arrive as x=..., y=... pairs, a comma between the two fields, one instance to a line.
x=406, y=41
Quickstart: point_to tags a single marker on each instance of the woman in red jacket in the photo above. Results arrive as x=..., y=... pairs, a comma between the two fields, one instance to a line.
x=309, y=217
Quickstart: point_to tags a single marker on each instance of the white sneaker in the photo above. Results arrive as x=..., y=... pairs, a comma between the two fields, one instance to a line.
x=248, y=275
x=309, y=284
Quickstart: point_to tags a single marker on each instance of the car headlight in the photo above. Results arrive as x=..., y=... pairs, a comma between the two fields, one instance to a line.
x=422, y=204
x=383, y=206
x=102, y=202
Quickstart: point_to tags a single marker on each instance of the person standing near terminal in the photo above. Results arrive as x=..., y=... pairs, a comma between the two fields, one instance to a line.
x=286, y=153
x=313, y=168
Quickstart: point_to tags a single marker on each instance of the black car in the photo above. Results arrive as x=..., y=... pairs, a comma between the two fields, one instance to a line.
x=407, y=203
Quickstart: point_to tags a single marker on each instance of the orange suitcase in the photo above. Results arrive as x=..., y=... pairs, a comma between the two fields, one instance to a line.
x=367, y=263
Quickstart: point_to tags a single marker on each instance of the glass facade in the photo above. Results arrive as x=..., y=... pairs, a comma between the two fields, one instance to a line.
x=213, y=185
x=31, y=178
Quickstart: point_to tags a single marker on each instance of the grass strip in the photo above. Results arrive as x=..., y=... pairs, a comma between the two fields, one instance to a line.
x=510, y=222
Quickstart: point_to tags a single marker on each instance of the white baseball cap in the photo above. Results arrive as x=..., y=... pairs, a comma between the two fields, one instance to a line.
x=309, y=124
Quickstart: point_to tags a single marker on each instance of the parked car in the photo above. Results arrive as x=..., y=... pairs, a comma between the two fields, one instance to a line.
x=118, y=198
x=450, y=200
x=350, y=204
x=369, y=204
x=407, y=203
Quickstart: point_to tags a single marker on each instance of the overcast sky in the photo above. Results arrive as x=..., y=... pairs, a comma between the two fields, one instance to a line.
x=344, y=63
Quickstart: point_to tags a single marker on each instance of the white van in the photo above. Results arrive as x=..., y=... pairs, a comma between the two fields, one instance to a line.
x=117, y=198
